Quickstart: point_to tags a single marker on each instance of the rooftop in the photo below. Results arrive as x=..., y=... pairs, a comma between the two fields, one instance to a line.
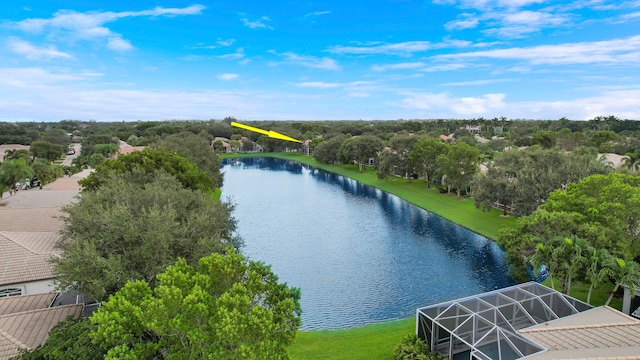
x=528, y=321
x=30, y=328
x=25, y=256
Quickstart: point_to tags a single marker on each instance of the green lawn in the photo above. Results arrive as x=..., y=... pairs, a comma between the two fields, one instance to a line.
x=371, y=342
x=377, y=341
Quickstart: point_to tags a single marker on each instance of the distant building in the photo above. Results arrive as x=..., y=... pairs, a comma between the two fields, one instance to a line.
x=474, y=129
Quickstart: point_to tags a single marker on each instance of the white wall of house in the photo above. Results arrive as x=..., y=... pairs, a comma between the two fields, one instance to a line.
x=32, y=287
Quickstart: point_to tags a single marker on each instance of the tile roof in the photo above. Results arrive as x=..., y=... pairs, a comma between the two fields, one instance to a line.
x=31, y=219
x=36, y=242
x=596, y=334
x=25, y=262
x=27, y=330
x=16, y=304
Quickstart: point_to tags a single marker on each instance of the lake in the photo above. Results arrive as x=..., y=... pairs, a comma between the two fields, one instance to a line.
x=358, y=254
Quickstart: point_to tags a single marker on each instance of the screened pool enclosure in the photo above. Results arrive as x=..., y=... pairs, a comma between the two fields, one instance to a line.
x=485, y=326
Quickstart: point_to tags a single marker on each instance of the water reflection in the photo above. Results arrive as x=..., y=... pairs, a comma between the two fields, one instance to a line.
x=359, y=255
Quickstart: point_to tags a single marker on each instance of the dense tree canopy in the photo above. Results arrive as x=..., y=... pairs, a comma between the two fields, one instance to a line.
x=459, y=165
x=360, y=149
x=328, y=151
x=225, y=308
x=602, y=209
x=196, y=149
x=523, y=179
x=135, y=226
x=149, y=161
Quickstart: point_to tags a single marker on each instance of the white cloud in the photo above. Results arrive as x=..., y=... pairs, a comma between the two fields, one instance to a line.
x=227, y=42
x=467, y=21
x=256, y=24
x=29, y=78
x=624, y=50
x=624, y=104
x=228, y=76
x=478, y=82
x=119, y=44
x=317, y=13
x=239, y=54
x=324, y=63
x=462, y=106
x=90, y=25
x=32, y=52
x=510, y=18
x=444, y=67
x=403, y=48
x=630, y=16
x=400, y=66
x=319, y=85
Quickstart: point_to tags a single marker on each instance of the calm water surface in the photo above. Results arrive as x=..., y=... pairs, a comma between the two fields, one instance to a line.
x=358, y=254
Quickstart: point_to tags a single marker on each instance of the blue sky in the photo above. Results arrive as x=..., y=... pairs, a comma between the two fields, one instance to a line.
x=318, y=60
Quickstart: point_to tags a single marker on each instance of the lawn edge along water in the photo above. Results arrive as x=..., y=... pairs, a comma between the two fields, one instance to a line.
x=459, y=211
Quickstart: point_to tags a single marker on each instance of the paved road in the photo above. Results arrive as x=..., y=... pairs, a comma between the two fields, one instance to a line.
x=69, y=158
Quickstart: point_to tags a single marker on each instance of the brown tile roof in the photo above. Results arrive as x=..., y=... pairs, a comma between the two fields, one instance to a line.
x=17, y=304
x=31, y=219
x=36, y=242
x=600, y=333
x=39, y=198
x=129, y=149
x=27, y=330
x=20, y=264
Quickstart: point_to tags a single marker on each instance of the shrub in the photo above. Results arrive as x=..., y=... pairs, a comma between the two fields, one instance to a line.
x=413, y=348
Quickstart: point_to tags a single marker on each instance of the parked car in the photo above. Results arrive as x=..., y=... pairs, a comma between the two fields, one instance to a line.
x=71, y=151
x=35, y=182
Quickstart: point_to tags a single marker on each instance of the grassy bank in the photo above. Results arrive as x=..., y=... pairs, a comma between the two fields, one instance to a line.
x=371, y=342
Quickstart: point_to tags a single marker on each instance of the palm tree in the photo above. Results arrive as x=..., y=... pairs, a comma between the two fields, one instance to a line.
x=14, y=154
x=569, y=259
x=597, y=270
x=15, y=171
x=624, y=273
x=631, y=161
x=543, y=256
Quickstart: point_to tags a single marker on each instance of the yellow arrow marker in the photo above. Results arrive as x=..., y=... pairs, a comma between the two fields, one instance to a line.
x=270, y=133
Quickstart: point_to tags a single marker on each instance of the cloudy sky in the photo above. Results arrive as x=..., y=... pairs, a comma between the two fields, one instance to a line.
x=318, y=59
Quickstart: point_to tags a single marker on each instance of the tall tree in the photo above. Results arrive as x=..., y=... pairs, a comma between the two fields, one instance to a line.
x=424, y=154
x=15, y=171
x=14, y=154
x=360, y=149
x=197, y=150
x=610, y=200
x=401, y=144
x=47, y=150
x=328, y=151
x=149, y=161
x=135, y=226
x=225, y=308
x=625, y=273
x=598, y=269
x=459, y=165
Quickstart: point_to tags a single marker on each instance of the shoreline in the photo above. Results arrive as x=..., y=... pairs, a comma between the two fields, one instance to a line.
x=459, y=211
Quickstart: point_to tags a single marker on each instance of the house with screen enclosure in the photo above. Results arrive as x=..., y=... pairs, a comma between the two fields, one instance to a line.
x=527, y=321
